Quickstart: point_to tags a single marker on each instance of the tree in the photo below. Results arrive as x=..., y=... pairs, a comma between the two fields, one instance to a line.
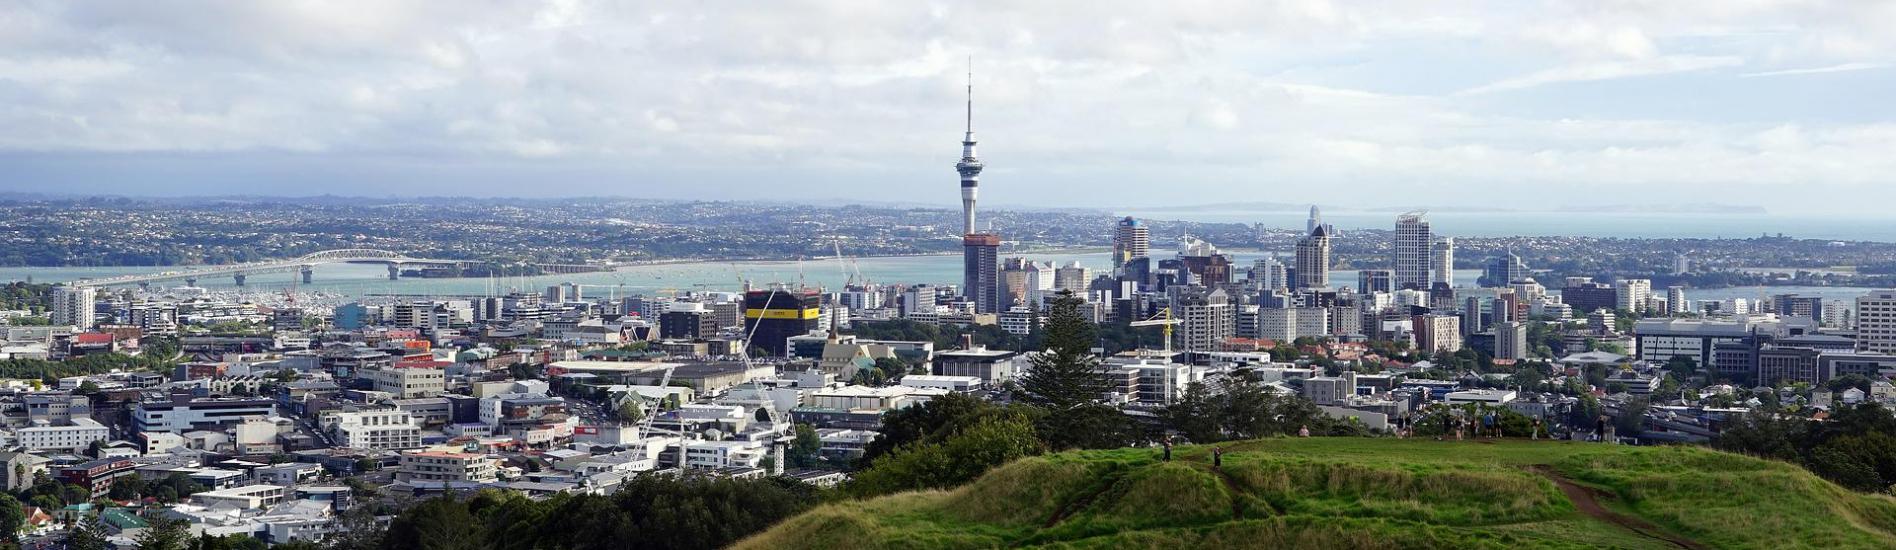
x=807, y=450
x=87, y=388
x=86, y=534
x=440, y=523
x=956, y=460
x=1632, y=417
x=630, y=412
x=1065, y=373
x=164, y=534
x=12, y=516
x=1682, y=366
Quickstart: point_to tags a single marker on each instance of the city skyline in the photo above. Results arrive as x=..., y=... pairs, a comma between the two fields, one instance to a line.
x=1639, y=104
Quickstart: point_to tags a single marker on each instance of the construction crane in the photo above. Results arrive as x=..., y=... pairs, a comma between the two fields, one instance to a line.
x=1163, y=317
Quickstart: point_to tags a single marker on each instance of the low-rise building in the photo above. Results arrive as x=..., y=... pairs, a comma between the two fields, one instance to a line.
x=437, y=466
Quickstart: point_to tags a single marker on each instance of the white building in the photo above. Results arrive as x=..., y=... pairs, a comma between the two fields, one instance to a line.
x=390, y=429
x=1876, y=321
x=1510, y=341
x=248, y=497
x=1442, y=260
x=437, y=466
x=1633, y=294
x=74, y=437
x=73, y=306
x=409, y=382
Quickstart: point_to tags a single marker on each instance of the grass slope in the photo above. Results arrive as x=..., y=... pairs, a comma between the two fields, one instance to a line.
x=1364, y=493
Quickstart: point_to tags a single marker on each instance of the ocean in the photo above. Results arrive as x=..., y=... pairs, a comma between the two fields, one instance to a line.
x=370, y=279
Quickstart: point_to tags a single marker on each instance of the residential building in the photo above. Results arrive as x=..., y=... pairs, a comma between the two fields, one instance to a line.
x=437, y=466
x=73, y=306
x=384, y=429
x=1313, y=259
x=1437, y=333
x=1414, y=247
x=1442, y=261
x=1510, y=341
x=1206, y=318
x=1632, y=295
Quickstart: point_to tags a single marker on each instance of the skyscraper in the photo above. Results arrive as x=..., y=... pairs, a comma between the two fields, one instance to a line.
x=1442, y=260
x=73, y=306
x=1131, y=239
x=1313, y=258
x=1503, y=270
x=1413, y=247
x=981, y=271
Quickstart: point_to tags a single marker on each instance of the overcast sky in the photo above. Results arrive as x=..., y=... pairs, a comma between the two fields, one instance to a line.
x=1512, y=103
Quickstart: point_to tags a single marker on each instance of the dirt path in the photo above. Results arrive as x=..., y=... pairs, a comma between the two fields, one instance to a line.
x=1583, y=498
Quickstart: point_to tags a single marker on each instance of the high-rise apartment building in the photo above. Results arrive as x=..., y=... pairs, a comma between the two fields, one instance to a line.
x=1206, y=318
x=1632, y=294
x=1442, y=261
x=1437, y=333
x=73, y=306
x=1510, y=340
x=1131, y=239
x=981, y=271
x=1413, y=251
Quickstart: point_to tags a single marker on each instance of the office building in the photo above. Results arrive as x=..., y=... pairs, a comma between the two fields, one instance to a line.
x=1313, y=259
x=1371, y=281
x=73, y=306
x=437, y=466
x=1131, y=239
x=1793, y=305
x=1876, y=321
x=179, y=412
x=1414, y=247
x=1442, y=262
x=1503, y=270
x=1268, y=274
x=771, y=317
x=1071, y=277
x=1585, y=295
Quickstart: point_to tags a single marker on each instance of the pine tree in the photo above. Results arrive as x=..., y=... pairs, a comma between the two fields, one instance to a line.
x=1065, y=373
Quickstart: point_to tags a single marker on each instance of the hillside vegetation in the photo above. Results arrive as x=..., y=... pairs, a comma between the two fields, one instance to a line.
x=1365, y=493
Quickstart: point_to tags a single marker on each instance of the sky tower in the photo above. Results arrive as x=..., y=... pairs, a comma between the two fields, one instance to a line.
x=969, y=167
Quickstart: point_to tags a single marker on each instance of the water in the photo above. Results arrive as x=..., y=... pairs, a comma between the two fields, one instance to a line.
x=1578, y=222
x=366, y=279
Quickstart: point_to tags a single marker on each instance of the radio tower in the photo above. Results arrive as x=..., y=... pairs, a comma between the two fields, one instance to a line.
x=980, y=251
x=969, y=167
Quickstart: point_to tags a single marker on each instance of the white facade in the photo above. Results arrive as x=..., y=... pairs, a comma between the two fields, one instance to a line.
x=73, y=306
x=1633, y=294
x=393, y=429
x=1876, y=321
x=1442, y=261
x=1413, y=252
x=76, y=437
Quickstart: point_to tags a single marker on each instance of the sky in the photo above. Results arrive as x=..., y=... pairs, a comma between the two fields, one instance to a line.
x=1510, y=104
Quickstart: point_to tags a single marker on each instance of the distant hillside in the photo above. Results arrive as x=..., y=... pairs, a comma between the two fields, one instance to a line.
x=1365, y=493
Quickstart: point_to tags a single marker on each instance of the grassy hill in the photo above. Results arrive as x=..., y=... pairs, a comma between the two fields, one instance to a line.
x=1365, y=493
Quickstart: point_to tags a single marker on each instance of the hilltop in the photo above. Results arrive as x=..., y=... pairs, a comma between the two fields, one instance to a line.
x=1365, y=493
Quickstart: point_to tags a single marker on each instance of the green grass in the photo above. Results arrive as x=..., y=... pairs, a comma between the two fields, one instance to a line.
x=1360, y=493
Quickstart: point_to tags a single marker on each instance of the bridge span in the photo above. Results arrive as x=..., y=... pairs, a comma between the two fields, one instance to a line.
x=304, y=265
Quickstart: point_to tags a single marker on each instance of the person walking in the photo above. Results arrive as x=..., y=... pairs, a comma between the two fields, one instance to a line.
x=1217, y=457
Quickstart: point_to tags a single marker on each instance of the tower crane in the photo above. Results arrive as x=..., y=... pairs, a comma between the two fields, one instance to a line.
x=1163, y=317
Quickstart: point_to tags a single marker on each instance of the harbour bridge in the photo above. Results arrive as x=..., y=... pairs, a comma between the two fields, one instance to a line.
x=304, y=265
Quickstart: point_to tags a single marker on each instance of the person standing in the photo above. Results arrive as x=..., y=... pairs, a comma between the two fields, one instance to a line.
x=1167, y=443
x=1599, y=429
x=1217, y=457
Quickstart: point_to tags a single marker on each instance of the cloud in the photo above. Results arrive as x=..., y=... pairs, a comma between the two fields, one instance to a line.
x=1845, y=67
x=1608, y=70
x=1326, y=100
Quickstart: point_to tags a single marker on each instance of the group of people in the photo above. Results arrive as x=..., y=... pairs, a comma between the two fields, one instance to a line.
x=1485, y=423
